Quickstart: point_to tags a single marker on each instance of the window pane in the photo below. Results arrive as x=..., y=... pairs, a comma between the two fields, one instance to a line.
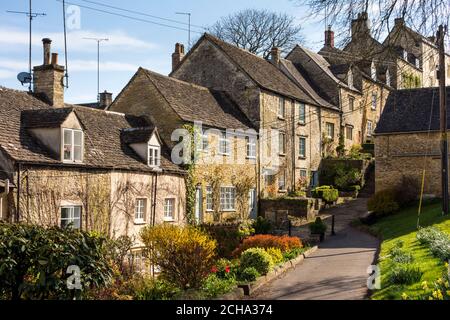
x=65, y=213
x=77, y=153
x=77, y=138
x=67, y=137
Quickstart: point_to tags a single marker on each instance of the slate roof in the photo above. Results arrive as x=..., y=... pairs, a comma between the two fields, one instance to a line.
x=196, y=103
x=409, y=110
x=137, y=135
x=261, y=71
x=103, y=149
x=293, y=70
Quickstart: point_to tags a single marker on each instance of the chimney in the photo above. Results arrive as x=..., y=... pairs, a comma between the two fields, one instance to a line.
x=105, y=100
x=275, y=55
x=329, y=38
x=360, y=25
x=48, y=78
x=399, y=22
x=177, y=56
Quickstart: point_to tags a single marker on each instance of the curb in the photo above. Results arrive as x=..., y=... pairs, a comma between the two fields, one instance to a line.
x=250, y=288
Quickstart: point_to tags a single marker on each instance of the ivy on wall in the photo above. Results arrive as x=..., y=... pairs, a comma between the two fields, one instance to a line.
x=190, y=179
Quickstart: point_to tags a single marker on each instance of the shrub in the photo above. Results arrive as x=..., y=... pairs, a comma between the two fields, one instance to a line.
x=214, y=286
x=223, y=269
x=275, y=254
x=346, y=177
x=436, y=240
x=428, y=235
x=383, y=202
x=257, y=258
x=262, y=226
x=34, y=260
x=405, y=274
x=185, y=255
x=292, y=254
x=407, y=191
x=248, y=274
x=150, y=289
x=117, y=250
x=318, y=226
x=284, y=243
x=398, y=255
x=327, y=193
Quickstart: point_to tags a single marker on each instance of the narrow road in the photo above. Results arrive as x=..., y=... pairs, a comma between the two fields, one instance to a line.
x=337, y=270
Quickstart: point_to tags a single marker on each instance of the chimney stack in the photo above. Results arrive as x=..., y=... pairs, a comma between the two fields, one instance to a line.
x=399, y=21
x=177, y=56
x=361, y=25
x=48, y=79
x=105, y=100
x=275, y=55
x=329, y=37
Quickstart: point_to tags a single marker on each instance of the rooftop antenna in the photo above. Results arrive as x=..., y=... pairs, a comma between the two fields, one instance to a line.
x=23, y=77
x=66, y=74
x=98, y=40
x=189, y=25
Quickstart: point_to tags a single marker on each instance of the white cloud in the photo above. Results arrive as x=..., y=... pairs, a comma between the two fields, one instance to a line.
x=117, y=40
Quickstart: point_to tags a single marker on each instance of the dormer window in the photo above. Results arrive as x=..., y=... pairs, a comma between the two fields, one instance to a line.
x=417, y=61
x=373, y=71
x=154, y=156
x=388, y=78
x=72, y=145
x=405, y=55
x=350, y=78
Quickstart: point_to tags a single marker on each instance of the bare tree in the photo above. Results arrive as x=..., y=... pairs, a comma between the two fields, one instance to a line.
x=423, y=16
x=258, y=31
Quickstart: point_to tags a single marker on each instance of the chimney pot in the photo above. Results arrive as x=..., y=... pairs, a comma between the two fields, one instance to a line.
x=329, y=37
x=54, y=59
x=275, y=55
x=46, y=44
x=399, y=21
x=177, y=55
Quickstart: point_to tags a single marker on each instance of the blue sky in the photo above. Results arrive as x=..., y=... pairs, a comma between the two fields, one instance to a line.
x=132, y=43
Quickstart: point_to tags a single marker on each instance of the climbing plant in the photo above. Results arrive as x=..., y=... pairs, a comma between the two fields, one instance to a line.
x=190, y=180
x=243, y=183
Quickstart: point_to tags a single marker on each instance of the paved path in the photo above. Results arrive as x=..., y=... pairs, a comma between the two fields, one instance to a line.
x=337, y=270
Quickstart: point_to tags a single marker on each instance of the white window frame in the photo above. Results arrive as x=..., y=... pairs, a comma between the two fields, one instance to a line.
x=301, y=113
x=71, y=216
x=228, y=199
x=152, y=160
x=388, y=78
x=169, y=209
x=282, y=181
x=305, y=175
x=405, y=55
x=373, y=71
x=140, y=210
x=203, y=142
x=300, y=146
x=224, y=144
x=250, y=142
x=330, y=125
x=281, y=112
x=374, y=101
x=209, y=199
x=369, y=128
x=347, y=130
x=72, y=145
x=351, y=103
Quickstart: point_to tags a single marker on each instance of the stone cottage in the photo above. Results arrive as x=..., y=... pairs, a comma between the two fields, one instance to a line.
x=225, y=144
x=407, y=140
x=278, y=107
x=93, y=169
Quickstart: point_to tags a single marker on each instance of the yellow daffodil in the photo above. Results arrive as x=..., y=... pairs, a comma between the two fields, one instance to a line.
x=405, y=296
x=424, y=285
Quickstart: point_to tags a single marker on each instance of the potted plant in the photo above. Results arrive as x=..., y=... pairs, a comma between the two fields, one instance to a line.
x=318, y=227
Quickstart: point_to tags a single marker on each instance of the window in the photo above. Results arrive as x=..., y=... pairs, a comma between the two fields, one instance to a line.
x=71, y=215
x=281, y=108
x=302, y=147
x=139, y=210
x=154, y=156
x=373, y=71
x=73, y=145
x=388, y=78
x=301, y=113
x=251, y=146
x=350, y=78
x=405, y=55
x=330, y=130
x=252, y=203
x=169, y=209
x=224, y=144
x=374, y=101
x=209, y=199
x=349, y=133
x=281, y=143
x=369, y=128
x=203, y=142
x=282, y=181
x=417, y=63
x=303, y=173
x=351, y=103
x=227, y=198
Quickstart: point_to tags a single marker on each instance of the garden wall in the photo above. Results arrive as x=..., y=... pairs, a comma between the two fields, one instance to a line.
x=276, y=209
x=329, y=165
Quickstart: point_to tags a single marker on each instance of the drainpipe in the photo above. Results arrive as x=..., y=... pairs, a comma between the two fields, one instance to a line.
x=293, y=145
x=18, y=194
x=155, y=189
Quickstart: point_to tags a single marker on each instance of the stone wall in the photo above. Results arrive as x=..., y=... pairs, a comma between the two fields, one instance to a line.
x=302, y=208
x=408, y=155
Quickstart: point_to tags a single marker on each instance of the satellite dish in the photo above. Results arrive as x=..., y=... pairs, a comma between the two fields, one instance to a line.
x=24, y=77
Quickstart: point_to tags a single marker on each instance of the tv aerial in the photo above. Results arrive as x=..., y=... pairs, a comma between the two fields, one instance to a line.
x=24, y=77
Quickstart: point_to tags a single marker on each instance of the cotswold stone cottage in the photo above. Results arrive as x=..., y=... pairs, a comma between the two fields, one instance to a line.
x=225, y=168
x=96, y=170
x=407, y=140
x=271, y=100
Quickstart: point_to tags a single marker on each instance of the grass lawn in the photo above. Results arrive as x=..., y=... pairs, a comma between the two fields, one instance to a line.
x=402, y=226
